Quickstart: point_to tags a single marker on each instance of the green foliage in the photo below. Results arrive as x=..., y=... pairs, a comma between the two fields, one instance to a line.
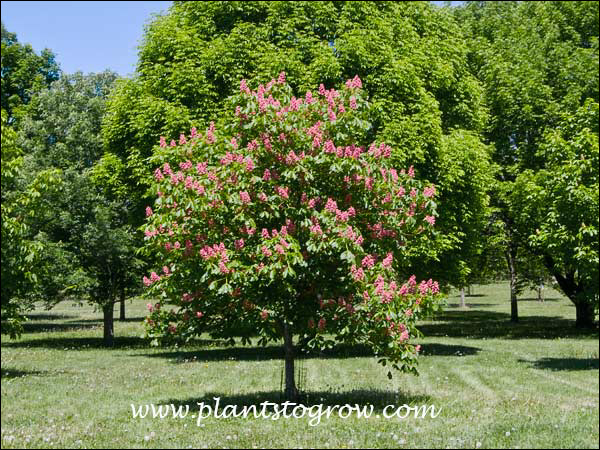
x=60, y=127
x=21, y=253
x=23, y=73
x=538, y=62
x=559, y=203
x=91, y=247
x=411, y=56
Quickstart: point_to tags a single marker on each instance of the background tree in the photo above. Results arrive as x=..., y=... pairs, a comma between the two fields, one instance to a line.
x=88, y=218
x=560, y=206
x=23, y=73
x=411, y=57
x=22, y=260
x=537, y=62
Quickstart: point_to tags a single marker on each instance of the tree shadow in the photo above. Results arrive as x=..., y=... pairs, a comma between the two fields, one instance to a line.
x=565, y=363
x=33, y=317
x=447, y=350
x=14, y=373
x=480, y=324
x=472, y=305
x=362, y=397
x=272, y=352
x=535, y=299
x=49, y=327
x=79, y=343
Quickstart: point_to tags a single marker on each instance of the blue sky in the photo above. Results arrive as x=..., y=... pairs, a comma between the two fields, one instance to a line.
x=89, y=36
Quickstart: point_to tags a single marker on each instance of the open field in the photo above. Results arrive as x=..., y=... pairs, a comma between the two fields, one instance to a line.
x=534, y=384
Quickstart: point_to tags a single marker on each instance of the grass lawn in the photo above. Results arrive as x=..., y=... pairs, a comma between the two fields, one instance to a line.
x=534, y=384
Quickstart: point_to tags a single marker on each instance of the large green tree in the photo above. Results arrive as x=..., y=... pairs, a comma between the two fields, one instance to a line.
x=411, y=57
x=538, y=62
x=24, y=198
x=87, y=223
x=23, y=73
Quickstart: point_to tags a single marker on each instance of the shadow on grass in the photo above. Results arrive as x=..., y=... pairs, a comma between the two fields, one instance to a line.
x=14, y=373
x=85, y=343
x=50, y=317
x=361, y=397
x=448, y=350
x=472, y=305
x=276, y=352
x=480, y=324
x=48, y=327
x=535, y=299
x=78, y=343
x=565, y=363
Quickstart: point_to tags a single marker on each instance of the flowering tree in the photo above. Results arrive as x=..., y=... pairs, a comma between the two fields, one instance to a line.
x=278, y=223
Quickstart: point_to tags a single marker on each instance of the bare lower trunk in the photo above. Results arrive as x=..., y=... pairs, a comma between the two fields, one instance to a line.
x=122, y=306
x=514, y=306
x=291, y=393
x=541, y=292
x=109, y=330
x=462, y=297
x=584, y=314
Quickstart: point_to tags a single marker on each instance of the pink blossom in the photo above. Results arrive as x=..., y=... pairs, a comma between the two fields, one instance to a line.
x=264, y=314
x=283, y=191
x=322, y=321
x=244, y=87
x=166, y=270
x=267, y=175
x=353, y=102
x=429, y=191
x=148, y=211
x=281, y=79
x=387, y=262
x=430, y=219
x=331, y=205
x=163, y=142
x=147, y=282
x=199, y=314
x=239, y=244
x=245, y=197
x=368, y=261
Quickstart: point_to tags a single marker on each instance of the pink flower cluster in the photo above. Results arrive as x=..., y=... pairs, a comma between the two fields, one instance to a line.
x=429, y=191
x=383, y=151
x=343, y=152
x=379, y=232
x=245, y=197
x=208, y=251
x=349, y=233
x=154, y=277
x=356, y=82
x=283, y=192
x=357, y=273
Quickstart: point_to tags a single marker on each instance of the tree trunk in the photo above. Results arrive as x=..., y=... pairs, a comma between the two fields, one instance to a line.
x=541, y=291
x=511, y=257
x=584, y=314
x=291, y=393
x=462, y=297
x=109, y=331
x=122, y=306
